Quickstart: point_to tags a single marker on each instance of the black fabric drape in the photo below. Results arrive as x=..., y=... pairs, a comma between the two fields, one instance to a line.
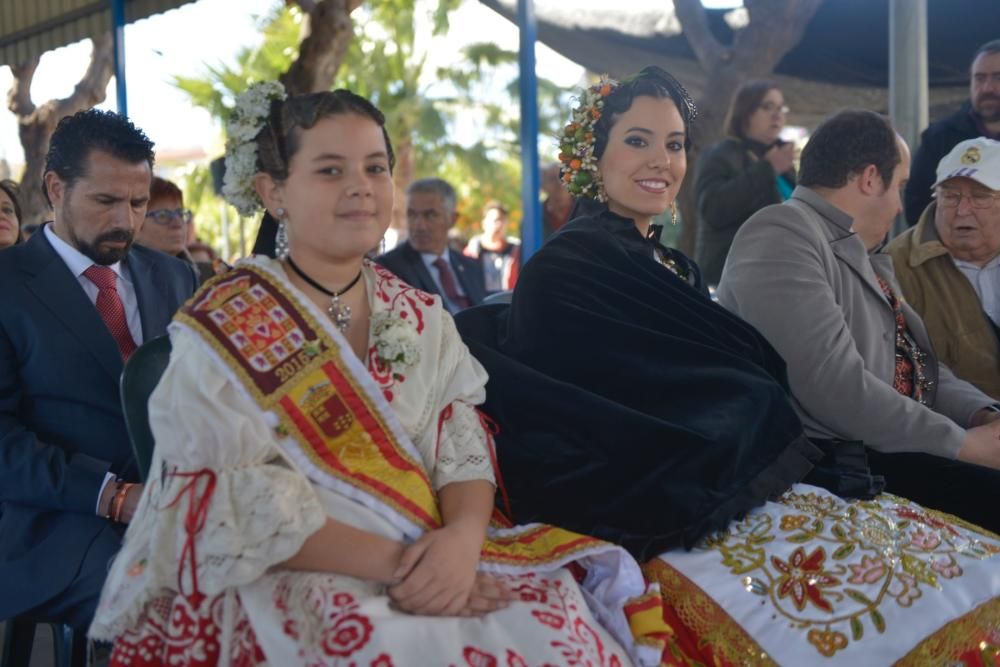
x=630, y=406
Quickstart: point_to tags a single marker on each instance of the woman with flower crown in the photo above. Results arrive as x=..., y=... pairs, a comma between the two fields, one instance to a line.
x=633, y=408
x=328, y=497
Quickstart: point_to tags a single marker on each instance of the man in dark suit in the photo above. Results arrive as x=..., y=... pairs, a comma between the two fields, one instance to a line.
x=424, y=259
x=77, y=299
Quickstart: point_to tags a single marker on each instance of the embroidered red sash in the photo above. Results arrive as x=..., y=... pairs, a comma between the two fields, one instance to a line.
x=332, y=420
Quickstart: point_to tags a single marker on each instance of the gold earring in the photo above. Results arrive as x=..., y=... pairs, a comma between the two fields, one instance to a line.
x=673, y=212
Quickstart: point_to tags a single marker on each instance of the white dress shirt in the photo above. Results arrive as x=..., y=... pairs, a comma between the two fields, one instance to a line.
x=77, y=263
x=429, y=259
x=986, y=281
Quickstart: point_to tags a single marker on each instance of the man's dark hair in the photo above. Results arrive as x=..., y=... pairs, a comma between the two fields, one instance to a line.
x=990, y=47
x=77, y=135
x=844, y=144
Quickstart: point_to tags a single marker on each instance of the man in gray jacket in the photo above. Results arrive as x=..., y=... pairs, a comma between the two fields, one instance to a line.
x=861, y=367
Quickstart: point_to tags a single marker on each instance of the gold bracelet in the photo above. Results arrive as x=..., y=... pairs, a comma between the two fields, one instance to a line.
x=111, y=501
x=118, y=502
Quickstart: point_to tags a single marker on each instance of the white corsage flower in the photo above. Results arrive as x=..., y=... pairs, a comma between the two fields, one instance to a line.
x=396, y=344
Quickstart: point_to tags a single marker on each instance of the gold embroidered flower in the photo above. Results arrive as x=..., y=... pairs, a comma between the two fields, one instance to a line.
x=793, y=521
x=904, y=588
x=925, y=518
x=925, y=540
x=803, y=579
x=827, y=642
x=868, y=571
x=947, y=567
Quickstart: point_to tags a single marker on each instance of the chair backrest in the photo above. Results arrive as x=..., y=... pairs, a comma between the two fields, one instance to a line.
x=141, y=375
x=499, y=297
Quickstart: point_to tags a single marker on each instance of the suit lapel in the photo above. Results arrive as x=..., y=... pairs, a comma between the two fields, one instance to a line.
x=851, y=251
x=55, y=286
x=472, y=288
x=416, y=262
x=148, y=294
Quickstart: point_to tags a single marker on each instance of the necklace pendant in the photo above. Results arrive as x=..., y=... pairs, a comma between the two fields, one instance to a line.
x=339, y=313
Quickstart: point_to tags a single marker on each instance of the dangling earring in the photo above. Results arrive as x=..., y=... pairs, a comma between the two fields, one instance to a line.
x=281, y=237
x=381, y=245
x=673, y=212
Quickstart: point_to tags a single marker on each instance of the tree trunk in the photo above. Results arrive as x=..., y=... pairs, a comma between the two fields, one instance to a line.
x=326, y=36
x=775, y=27
x=402, y=176
x=36, y=124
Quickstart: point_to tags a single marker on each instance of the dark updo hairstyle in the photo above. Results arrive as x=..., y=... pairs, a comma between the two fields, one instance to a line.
x=652, y=81
x=278, y=141
x=746, y=100
x=10, y=189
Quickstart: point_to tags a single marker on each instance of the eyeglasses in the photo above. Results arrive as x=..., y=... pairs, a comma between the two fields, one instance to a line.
x=978, y=199
x=771, y=107
x=164, y=216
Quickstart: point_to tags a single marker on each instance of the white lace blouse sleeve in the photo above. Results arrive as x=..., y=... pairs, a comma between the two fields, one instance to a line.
x=206, y=428
x=463, y=451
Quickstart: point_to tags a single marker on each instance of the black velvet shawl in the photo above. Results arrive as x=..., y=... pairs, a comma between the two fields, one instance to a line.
x=630, y=406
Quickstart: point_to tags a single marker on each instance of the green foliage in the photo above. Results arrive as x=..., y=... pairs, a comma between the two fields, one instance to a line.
x=281, y=31
x=479, y=96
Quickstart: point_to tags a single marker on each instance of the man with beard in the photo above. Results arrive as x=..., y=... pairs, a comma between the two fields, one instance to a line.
x=979, y=117
x=77, y=300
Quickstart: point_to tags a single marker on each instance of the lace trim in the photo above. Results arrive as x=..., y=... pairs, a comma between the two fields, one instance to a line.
x=257, y=518
x=463, y=453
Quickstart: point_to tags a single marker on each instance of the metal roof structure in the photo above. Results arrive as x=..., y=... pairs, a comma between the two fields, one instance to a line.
x=29, y=28
x=843, y=58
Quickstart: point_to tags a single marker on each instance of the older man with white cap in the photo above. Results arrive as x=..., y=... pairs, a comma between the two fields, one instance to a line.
x=948, y=265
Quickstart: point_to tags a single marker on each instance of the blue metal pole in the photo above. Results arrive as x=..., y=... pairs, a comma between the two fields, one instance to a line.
x=531, y=224
x=118, y=33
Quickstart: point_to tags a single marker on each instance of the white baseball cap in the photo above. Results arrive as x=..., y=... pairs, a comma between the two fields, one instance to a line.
x=978, y=159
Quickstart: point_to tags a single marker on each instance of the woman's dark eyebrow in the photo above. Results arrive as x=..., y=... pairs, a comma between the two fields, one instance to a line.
x=335, y=156
x=644, y=130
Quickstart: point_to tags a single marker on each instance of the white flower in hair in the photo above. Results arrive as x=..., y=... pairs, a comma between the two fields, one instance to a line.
x=245, y=122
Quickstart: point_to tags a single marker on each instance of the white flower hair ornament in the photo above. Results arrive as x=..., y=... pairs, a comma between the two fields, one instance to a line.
x=249, y=115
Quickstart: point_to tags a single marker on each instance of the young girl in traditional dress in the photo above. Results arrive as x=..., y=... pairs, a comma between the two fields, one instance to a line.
x=322, y=487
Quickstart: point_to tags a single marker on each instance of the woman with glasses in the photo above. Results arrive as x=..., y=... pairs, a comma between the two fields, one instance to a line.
x=748, y=170
x=167, y=226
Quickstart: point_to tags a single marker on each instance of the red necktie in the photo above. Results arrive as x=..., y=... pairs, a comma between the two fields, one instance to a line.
x=110, y=307
x=448, y=283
